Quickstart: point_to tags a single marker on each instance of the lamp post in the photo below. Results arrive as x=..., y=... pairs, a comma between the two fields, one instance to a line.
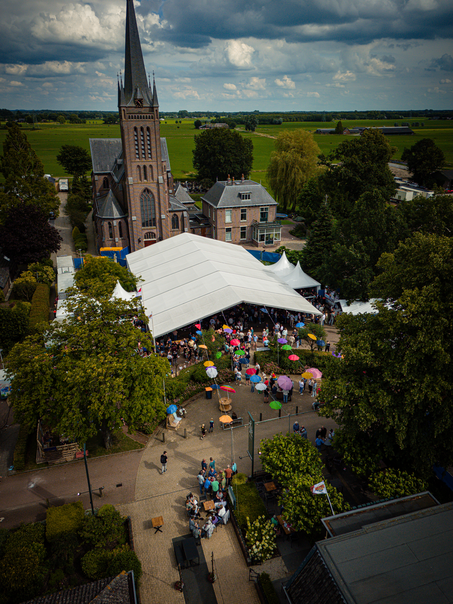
x=88, y=477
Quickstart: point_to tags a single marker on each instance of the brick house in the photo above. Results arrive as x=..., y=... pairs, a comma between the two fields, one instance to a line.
x=241, y=212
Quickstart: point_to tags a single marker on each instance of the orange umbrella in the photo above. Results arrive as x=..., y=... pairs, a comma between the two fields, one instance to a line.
x=225, y=419
x=203, y=346
x=313, y=337
x=225, y=326
x=208, y=364
x=307, y=375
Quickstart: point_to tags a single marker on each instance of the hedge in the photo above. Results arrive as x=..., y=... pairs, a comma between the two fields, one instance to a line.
x=268, y=589
x=40, y=307
x=64, y=519
x=20, y=449
x=13, y=325
x=249, y=503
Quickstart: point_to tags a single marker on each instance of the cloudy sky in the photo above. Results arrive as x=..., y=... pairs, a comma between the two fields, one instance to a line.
x=232, y=55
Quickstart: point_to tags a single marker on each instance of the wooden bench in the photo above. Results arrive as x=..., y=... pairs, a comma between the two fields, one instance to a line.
x=236, y=422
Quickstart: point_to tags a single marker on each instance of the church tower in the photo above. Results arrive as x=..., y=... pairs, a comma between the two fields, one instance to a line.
x=147, y=175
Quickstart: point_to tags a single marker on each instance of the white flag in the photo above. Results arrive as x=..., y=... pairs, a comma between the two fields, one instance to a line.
x=319, y=489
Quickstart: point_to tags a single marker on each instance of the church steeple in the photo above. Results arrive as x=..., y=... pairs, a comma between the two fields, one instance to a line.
x=135, y=81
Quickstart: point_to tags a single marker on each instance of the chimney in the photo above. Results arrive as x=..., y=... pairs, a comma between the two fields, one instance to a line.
x=242, y=178
x=233, y=181
x=229, y=180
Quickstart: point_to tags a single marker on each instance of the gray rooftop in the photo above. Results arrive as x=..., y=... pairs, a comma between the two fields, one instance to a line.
x=164, y=150
x=224, y=194
x=182, y=195
x=109, y=207
x=135, y=81
x=175, y=205
x=104, y=152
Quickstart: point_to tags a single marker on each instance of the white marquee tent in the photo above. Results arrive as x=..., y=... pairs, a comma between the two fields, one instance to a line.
x=188, y=277
x=119, y=293
x=282, y=268
x=298, y=279
x=358, y=308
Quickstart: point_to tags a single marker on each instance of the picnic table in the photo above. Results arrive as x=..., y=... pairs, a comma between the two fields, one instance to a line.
x=208, y=505
x=270, y=486
x=157, y=523
x=285, y=526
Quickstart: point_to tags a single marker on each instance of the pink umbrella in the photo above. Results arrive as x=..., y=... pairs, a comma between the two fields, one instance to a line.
x=293, y=357
x=284, y=382
x=234, y=342
x=251, y=371
x=315, y=373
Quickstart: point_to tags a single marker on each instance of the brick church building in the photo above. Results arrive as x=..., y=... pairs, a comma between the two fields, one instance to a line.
x=133, y=192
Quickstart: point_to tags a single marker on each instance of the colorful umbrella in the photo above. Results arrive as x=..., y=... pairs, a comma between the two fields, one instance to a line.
x=235, y=342
x=203, y=346
x=320, y=342
x=300, y=325
x=264, y=310
x=218, y=355
x=227, y=389
x=239, y=353
x=284, y=382
x=282, y=341
x=255, y=379
x=172, y=409
x=244, y=361
x=198, y=325
x=199, y=333
x=225, y=419
x=307, y=375
x=293, y=357
x=211, y=372
x=215, y=386
x=261, y=387
x=312, y=336
x=225, y=327
x=275, y=405
x=315, y=372
x=251, y=371
x=286, y=347
x=227, y=330
x=208, y=364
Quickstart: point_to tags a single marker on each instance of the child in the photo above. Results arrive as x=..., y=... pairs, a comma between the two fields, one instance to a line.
x=203, y=431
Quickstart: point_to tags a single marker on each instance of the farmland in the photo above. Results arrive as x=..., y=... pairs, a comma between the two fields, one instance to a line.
x=48, y=139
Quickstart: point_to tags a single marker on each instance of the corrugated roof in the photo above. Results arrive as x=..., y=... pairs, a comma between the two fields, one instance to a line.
x=104, y=152
x=227, y=195
x=109, y=207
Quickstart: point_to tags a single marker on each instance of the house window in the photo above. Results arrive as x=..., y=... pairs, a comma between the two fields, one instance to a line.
x=148, y=209
x=243, y=215
x=175, y=222
x=105, y=183
x=151, y=173
x=110, y=231
x=229, y=216
x=148, y=140
x=243, y=233
x=228, y=234
x=245, y=196
x=120, y=229
x=264, y=214
x=209, y=211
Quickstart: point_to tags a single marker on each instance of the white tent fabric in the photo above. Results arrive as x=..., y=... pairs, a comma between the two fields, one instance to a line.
x=357, y=308
x=188, y=277
x=119, y=293
x=282, y=268
x=298, y=279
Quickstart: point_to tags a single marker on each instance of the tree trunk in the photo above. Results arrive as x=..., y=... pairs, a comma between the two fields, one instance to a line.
x=106, y=435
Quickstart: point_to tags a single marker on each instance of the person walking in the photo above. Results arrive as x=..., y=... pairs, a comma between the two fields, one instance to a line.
x=228, y=475
x=163, y=461
x=303, y=432
x=211, y=425
x=203, y=431
x=301, y=386
x=201, y=481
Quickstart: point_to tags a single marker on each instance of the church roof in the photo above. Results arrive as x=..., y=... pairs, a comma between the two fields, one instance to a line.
x=135, y=81
x=104, y=152
x=175, y=205
x=165, y=155
x=109, y=207
x=226, y=194
x=182, y=195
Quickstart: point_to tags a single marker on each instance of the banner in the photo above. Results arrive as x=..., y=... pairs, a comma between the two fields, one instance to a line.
x=319, y=489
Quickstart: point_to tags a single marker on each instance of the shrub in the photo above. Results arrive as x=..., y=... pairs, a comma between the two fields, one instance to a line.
x=395, y=483
x=95, y=563
x=20, y=449
x=64, y=519
x=21, y=574
x=261, y=539
x=29, y=536
x=105, y=530
x=4, y=533
x=268, y=589
x=63, y=548
x=239, y=478
x=40, y=307
x=75, y=233
x=13, y=325
x=123, y=558
x=24, y=286
x=250, y=505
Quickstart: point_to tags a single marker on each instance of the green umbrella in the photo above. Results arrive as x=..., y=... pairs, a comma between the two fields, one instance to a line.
x=218, y=355
x=239, y=353
x=275, y=405
x=286, y=347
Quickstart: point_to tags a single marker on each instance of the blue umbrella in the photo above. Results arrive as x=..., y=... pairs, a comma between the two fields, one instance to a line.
x=320, y=342
x=200, y=333
x=255, y=379
x=263, y=310
x=215, y=386
x=172, y=409
x=244, y=361
x=299, y=325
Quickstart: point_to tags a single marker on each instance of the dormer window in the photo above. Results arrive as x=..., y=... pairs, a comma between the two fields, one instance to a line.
x=245, y=196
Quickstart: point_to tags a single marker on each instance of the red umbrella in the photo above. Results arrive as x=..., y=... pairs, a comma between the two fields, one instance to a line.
x=198, y=325
x=293, y=357
x=234, y=342
x=251, y=371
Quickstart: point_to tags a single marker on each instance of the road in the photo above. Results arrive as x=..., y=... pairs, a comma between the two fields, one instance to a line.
x=65, y=229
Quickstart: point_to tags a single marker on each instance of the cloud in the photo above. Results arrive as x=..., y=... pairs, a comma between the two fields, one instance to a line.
x=15, y=69
x=228, y=86
x=437, y=90
x=256, y=83
x=285, y=82
x=316, y=95
x=445, y=81
x=347, y=76
x=444, y=63
x=14, y=83
x=239, y=53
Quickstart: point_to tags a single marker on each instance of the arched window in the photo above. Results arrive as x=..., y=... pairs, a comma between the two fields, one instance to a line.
x=137, y=156
x=148, y=209
x=175, y=222
x=105, y=183
x=151, y=173
x=139, y=174
x=145, y=177
x=142, y=141
x=110, y=231
x=148, y=140
x=120, y=229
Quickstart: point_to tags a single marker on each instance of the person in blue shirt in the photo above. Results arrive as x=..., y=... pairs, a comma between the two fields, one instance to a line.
x=303, y=432
x=296, y=427
x=207, y=487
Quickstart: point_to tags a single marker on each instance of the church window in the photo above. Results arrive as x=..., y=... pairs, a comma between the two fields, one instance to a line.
x=142, y=140
x=105, y=183
x=148, y=209
x=120, y=229
x=110, y=231
x=137, y=156
x=148, y=140
x=175, y=222
x=145, y=177
x=139, y=174
x=151, y=173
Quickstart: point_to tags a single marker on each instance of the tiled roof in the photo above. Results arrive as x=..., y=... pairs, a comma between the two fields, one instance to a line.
x=104, y=152
x=109, y=207
x=225, y=195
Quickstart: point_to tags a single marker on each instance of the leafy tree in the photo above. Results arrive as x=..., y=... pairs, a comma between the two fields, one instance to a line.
x=315, y=329
x=292, y=164
x=75, y=160
x=61, y=119
x=319, y=245
x=27, y=236
x=310, y=200
x=395, y=483
x=339, y=128
x=84, y=376
x=100, y=274
x=433, y=215
x=391, y=392
x=220, y=152
x=77, y=209
x=197, y=124
x=423, y=159
x=24, y=286
x=24, y=176
x=13, y=324
x=251, y=123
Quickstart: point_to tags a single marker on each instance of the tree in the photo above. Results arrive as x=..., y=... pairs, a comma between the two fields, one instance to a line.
x=26, y=235
x=423, y=159
x=61, y=119
x=220, y=152
x=75, y=160
x=319, y=244
x=339, y=128
x=426, y=215
x=292, y=164
x=85, y=375
x=394, y=483
x=251, y=123
x=99, y=276
x=13, y=325
x=391, y=393
x=197, y=124
x=24, y=176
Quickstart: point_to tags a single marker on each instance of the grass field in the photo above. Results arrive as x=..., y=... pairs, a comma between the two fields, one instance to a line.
x=180, y=140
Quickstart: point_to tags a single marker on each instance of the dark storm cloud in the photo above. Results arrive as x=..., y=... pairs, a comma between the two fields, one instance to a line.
x=445, y=63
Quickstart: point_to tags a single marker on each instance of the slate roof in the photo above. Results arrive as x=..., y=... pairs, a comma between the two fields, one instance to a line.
x=182, y=195
x=175, y=205
x=104, y=152
x=109, y=207
x=165, y=156
x=114, y=590
x=135, y=81
x=225, y=195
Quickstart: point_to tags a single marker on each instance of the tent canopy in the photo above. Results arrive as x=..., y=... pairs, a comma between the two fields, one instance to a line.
x=188, y=277
x=357, y=308
x=298, y=279
x=282, y=268
x=119, y=293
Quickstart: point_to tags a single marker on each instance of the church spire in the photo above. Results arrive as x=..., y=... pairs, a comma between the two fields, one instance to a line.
x=135, y=81
x=155, y=101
